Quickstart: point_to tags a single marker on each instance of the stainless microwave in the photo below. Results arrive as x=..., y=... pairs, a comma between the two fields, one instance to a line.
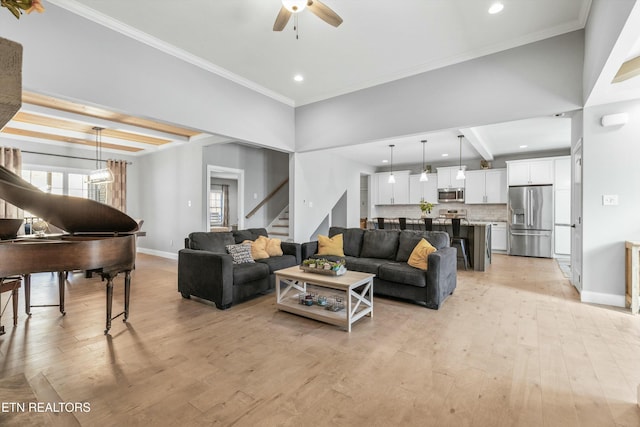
x=448, y=195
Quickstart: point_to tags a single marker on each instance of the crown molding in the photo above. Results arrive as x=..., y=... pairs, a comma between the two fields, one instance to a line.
x=131, y=32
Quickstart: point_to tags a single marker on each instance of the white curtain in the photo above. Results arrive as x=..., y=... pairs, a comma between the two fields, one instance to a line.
x=117, y=190
x=11, y=159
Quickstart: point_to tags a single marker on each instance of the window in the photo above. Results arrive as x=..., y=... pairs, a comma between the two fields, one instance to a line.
x=216, y=206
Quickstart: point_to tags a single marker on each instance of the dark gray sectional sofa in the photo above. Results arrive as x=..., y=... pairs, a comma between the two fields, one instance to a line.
x=385, y=254
x=205, y=269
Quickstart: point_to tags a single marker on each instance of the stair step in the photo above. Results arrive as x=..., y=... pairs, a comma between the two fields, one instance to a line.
x=280, y=225
x=284, y=218
x=275, y=233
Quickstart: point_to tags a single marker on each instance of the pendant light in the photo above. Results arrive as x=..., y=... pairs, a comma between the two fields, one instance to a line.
x=460, y=174
x=99, y=175
x=392, y=179
x=423, y=175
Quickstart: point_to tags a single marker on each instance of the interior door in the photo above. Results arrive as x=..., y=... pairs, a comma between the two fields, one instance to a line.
x=576, y=217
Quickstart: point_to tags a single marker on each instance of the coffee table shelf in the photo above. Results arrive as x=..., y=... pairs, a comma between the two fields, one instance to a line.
x=354, y=287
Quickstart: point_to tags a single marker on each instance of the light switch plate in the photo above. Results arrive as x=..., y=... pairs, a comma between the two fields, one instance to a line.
x=610, y=200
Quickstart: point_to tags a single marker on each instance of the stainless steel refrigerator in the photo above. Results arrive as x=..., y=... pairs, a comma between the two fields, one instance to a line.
x=531, y=221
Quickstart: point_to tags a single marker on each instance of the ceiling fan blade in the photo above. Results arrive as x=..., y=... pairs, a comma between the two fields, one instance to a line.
x=324, y=12
x=281, y=19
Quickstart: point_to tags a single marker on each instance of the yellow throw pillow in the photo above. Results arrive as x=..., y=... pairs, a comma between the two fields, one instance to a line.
x=259, y=247
x=274, y=248
x=330, y=246
x=420, y=253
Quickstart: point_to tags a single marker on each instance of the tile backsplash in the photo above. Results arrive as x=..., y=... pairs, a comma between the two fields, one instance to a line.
x=497, y=212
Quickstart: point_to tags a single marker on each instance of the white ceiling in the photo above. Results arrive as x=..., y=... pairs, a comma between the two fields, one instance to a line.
x=379, y=40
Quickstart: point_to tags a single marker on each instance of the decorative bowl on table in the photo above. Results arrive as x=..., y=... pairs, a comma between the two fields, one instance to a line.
x=9, y=227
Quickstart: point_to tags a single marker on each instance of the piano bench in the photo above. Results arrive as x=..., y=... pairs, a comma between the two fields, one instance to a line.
x=11, y=284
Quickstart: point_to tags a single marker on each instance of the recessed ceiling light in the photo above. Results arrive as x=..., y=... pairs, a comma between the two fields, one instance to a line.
x=298, y=77
x=445, y=155
x=385, y=161
x=523, y=146
x=496, y=8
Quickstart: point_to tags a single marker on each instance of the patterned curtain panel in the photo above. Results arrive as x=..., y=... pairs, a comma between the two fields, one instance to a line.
x=11, y=158
x=117, y=190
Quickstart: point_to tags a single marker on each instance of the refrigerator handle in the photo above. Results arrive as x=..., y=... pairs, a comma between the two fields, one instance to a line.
x=528, y=221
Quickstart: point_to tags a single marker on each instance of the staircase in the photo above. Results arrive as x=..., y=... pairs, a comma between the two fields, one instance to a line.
x=279, y=227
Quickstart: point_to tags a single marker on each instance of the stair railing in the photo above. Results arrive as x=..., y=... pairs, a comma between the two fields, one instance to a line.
x=267, y=198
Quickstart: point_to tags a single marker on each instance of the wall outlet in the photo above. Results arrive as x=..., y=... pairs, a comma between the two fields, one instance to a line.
x=610, y=200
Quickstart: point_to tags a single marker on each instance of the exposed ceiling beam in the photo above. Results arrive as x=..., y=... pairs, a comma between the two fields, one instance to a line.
x=61, y=138
x=72, y=107
x=629, y=69
x=477, y=142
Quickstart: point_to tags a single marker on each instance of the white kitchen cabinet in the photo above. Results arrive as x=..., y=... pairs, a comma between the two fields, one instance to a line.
x=392, y=194
x=420, y=190
x=486, y=186
x=530, y=172
x=498, y=236
x=447, y=177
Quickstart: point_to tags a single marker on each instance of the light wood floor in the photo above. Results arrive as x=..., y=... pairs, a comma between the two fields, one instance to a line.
x=511, y=347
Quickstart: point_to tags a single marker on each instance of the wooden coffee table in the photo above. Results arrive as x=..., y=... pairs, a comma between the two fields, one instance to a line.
x=355, y=289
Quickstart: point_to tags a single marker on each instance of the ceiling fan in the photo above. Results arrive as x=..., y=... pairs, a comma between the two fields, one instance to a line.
x=316, y=7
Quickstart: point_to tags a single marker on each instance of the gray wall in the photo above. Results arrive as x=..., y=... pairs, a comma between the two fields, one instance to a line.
x=610, y=157
x=264, y=170
x=533, y=80
x=71, y=57
x=605, y=22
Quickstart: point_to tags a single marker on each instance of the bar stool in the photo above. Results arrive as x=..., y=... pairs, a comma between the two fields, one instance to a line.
x=380, y=223
x=460, y=242
x=11, y=284
x=403, y=223
x=428, y=224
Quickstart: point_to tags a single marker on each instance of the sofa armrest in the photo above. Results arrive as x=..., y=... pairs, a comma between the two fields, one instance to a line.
x=206, y=275
x=309, y=249
x=290, y=248
x=441, y=275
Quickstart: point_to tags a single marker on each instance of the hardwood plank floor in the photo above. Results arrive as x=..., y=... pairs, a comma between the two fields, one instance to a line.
x=513, y=346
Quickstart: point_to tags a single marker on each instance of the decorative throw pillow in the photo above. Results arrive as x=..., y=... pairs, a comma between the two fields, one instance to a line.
x=330, y=245
x=274, y=248
x=240, y=253
x=418, y=257
x=258, y=247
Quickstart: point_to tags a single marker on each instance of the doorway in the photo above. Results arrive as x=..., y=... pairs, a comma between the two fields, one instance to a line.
x=224, y=196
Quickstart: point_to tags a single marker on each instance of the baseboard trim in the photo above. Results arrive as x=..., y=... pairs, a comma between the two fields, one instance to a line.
x=603, y=299
x=162, y=254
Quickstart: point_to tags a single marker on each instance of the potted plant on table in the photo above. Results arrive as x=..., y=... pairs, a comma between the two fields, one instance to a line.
x=425, y=207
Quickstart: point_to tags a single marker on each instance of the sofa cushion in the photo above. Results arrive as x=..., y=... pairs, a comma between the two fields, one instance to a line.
x=240, y=253
x=241, y=235
x=330, y=245
x=402, y=273
x=380, y=244
x=257, y=232
x=274, y=247
x=258, y=247
x=249, y=272
x=408, y=240
x=212, y=242
x=418, y=258
x=351, y=239
x=278, y=262
x=365, y=265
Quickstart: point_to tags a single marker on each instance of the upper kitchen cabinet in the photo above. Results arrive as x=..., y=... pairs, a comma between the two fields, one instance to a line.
x=486, y=186
x=423, y=190
x=447, y=177
x=530, y=172
x=392, y=194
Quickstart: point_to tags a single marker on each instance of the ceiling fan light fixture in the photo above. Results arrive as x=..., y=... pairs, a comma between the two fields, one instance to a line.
x=294, y=6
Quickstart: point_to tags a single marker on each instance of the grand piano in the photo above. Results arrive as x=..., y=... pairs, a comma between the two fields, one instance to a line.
x=97, y=238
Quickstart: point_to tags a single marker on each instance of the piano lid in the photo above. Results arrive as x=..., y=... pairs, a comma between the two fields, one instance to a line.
x=72, y=214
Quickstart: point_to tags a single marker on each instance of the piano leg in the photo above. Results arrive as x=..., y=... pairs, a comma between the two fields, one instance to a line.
x=109, y=302
x=61, y=281
x=27, y=294
x=127, y=292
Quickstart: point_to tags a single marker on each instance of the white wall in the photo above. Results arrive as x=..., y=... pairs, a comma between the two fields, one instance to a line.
x=610, y=157
x=529, y=81
x=71, y=57
x=320, y=180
